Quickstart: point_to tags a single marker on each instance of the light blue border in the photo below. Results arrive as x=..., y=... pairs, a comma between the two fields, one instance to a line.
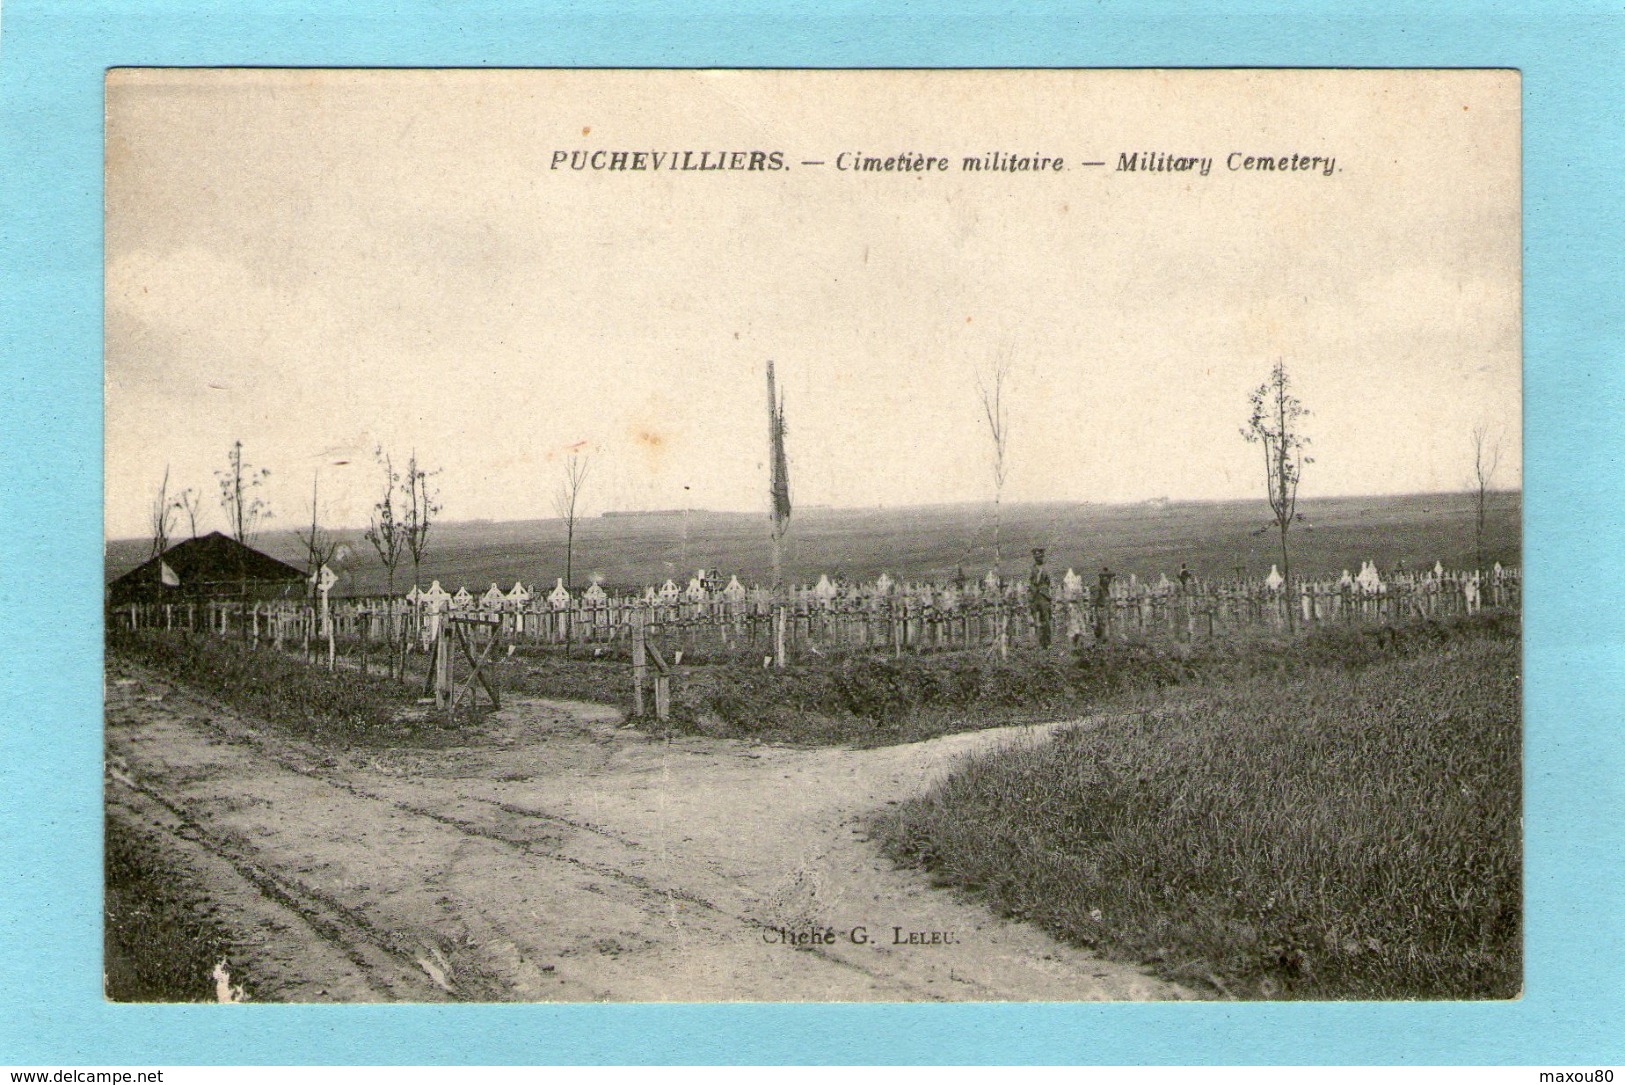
x=52, y=57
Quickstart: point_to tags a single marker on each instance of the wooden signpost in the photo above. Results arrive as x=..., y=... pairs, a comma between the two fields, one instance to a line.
x=456, y=630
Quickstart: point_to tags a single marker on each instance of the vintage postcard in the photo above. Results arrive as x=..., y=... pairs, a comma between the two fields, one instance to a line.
x=813, y=536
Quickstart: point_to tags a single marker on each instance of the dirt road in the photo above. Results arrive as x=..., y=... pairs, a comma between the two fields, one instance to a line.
x=567, y=857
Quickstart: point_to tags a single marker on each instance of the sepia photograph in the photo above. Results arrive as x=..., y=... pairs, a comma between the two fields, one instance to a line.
x=674, y=535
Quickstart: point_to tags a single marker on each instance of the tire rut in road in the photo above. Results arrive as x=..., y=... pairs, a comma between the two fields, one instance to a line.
x=589, y=886
x=383, y=965
x=655, y=896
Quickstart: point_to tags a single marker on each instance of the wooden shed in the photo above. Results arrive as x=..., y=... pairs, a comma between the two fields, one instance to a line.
x=213, y=566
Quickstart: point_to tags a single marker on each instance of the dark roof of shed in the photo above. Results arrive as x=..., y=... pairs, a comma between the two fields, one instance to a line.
x=212, y=559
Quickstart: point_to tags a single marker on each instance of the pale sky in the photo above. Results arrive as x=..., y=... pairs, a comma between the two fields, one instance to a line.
x=320, y=262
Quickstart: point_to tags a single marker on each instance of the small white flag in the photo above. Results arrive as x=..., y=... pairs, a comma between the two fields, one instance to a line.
x=167, y=575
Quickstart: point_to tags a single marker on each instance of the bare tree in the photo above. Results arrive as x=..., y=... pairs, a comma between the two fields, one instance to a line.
x=1275, y=425
x=1486, y=458
x=239, y=497
x=422, y=506
x=191, y=502
x=778, y=491
x=244, y=508
x=991, y=386
x=320, y=546
x=387, y=533
x=567, y=503
x=162, y=515
x=779, y=508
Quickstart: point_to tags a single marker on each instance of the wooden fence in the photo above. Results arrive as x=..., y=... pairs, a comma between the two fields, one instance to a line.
x=829, y=617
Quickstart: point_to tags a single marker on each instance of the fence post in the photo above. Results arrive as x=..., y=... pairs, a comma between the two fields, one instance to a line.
x=442, y=664
x=639, y=663
x=879, y=619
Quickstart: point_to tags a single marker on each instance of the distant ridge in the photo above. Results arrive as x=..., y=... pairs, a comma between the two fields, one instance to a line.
x=934, y=542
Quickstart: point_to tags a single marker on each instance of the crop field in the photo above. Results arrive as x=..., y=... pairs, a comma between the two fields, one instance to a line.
x=1214, y=539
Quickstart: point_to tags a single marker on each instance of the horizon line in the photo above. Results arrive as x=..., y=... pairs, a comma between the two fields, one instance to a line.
x=1159, y=502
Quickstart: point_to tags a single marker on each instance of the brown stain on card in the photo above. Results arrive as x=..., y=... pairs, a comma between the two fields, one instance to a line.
x=653, y=443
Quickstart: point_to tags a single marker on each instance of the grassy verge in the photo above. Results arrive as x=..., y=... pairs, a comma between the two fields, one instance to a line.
x=604, y=680
x=854, y=699
x=1353, y=832
x=334, y=708
x=160, y=943
x=869, y=700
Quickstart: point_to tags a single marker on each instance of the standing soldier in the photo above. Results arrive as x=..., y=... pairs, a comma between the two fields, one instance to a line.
x=1103, y=602
x=1039, y=597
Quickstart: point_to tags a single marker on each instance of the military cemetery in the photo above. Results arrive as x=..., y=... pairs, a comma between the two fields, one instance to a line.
x=525, y=583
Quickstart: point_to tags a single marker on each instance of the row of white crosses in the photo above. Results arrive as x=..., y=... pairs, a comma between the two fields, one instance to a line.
x=696, y=592
x=436, y=599
x=1370, y=582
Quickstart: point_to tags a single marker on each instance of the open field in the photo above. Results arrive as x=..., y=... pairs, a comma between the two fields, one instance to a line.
x=932, y=542
x=1349, y=832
